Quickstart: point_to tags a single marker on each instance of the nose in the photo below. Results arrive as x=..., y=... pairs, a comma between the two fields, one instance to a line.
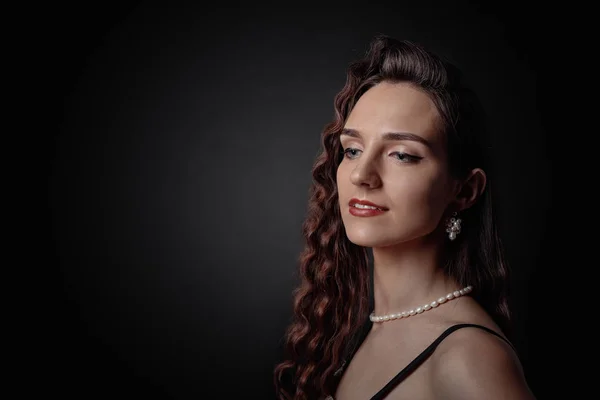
x=365, y=173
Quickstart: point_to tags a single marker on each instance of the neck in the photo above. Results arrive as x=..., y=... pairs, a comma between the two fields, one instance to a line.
x=408, y=275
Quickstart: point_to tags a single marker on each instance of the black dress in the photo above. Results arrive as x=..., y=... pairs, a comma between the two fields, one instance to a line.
x=414, y=364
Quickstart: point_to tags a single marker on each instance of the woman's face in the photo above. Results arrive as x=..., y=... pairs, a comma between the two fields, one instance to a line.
x=394, y=157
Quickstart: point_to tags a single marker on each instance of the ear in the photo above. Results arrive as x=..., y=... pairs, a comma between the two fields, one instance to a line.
x=469, y=191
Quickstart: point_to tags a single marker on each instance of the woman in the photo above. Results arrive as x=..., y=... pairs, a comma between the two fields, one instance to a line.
x=402, y=173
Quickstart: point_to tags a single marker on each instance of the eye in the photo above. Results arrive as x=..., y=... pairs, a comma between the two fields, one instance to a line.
x=350, y=152
x=405, y=157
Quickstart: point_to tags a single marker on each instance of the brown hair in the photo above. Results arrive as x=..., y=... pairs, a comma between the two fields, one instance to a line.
x=332, y=299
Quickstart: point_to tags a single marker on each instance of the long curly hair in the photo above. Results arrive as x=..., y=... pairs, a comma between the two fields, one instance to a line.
x=333, y=298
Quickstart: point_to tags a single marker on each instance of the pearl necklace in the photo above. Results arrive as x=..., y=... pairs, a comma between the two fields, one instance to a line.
x=419, y=310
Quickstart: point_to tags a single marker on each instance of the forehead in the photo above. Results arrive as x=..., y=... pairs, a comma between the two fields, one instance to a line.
x=390, y=107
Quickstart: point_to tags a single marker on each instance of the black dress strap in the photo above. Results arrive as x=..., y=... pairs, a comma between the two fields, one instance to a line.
x=425, y=355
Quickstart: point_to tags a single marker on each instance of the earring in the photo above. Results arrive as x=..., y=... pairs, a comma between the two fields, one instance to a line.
x=453, y=226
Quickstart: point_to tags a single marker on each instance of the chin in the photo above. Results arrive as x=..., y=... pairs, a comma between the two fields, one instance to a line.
x=380, y=238
x=367, y=239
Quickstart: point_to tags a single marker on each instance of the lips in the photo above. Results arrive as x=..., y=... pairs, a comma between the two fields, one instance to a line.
x=355, y=201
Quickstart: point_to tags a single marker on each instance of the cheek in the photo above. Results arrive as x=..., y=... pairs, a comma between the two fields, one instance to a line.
x=436, y=191
x=341, y=178
x=419, y=194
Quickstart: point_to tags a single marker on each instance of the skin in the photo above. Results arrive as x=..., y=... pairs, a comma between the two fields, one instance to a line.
x=412, y=181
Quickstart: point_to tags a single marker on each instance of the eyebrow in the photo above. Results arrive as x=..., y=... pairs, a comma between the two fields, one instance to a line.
x=390, y=136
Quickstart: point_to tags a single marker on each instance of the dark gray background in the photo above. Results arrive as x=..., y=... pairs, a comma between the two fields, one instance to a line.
x=179, y=148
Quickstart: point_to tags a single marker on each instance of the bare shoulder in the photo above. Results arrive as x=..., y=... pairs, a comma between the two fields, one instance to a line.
x=474, y=364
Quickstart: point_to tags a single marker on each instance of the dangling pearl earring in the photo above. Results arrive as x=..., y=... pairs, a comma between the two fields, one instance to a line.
x=453, y=226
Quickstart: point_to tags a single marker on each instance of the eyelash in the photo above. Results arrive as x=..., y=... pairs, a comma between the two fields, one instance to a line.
x=410, y=157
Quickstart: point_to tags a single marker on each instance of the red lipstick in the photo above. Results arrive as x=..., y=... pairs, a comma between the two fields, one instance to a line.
x=371, y=211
